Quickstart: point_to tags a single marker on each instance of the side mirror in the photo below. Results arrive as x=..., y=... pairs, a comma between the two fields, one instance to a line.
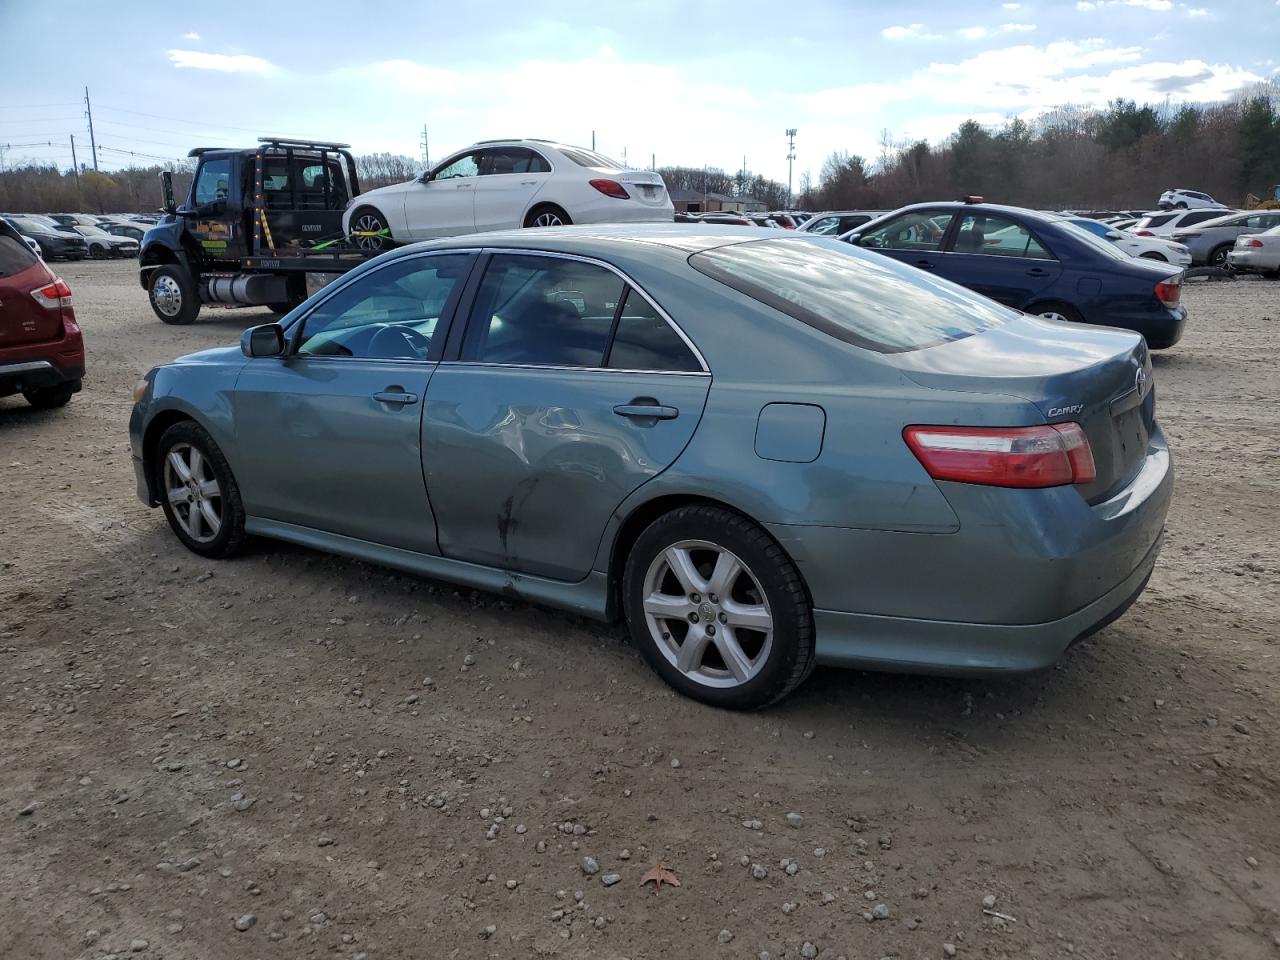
x=266, y=340
x=427, y=177
x=1114, y=235
x=166, y=184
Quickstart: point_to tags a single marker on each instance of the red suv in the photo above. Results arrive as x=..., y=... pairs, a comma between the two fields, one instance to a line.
x=41, y=350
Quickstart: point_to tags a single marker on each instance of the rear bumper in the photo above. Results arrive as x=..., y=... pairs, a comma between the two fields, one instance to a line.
x=21, y=375
x=1253, y=259
x=1026, y=573
x=902, y=644
x=1161, y=328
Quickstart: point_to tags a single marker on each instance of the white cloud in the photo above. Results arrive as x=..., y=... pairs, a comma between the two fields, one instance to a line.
x=1017, y=27
x=1158, y=5
x=972, y=33
x=911, y=31
x=1197, y=12
x=223, y=62
x=191, y=36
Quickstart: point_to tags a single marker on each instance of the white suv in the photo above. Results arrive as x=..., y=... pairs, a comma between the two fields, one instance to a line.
x=1163, y=224
x=501, y=184
x=1177, y=199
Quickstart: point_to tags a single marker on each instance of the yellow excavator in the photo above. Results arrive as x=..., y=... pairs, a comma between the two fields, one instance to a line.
x=1252, y=202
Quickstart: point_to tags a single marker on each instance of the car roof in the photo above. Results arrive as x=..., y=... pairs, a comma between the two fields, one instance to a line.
x=1026, y=213
x=604, y=240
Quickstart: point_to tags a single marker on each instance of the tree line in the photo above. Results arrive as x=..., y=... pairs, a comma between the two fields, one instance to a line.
x=1120, y=157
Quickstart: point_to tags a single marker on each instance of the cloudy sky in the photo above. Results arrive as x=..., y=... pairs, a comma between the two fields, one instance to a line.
x=686, y=82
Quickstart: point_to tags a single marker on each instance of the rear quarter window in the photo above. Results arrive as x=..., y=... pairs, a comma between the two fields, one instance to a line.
x=865, y=299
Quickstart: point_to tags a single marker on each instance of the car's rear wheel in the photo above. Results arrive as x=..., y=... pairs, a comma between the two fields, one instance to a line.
x=173, y=294
x=369, y=230
x=198, y=492
x=1152, y=255
x=1057, y=311
x=1180, y=205
x=718, y=609
x=547, y=215
x=1218, y=255
x=47, y=398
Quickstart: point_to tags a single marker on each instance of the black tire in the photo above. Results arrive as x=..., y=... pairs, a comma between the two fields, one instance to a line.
x=1063, y=310
x=177, y=301
x=790, y=658
x=544, y=212
x=1218, y=256
x=49, y=398
x=1152, y=255
x=1180, y=205
x=97, y=252
x=297, y=294
x=369, y=220
x=230, y=537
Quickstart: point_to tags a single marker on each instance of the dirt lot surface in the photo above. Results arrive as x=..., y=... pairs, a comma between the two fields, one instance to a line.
x=344, y=761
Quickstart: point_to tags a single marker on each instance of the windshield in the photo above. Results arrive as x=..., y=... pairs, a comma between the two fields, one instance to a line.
x=26, y=223
x=92, y=231
x=864, y=299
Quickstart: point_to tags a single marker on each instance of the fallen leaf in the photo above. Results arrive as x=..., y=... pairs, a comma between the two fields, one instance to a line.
x=659, y=875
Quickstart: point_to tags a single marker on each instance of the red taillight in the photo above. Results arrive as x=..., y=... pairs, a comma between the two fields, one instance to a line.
x=1252, y=243
x=53, y=295
x=1143, y=233
x=1169, y=292
x=611, y=188
x=1054, y=455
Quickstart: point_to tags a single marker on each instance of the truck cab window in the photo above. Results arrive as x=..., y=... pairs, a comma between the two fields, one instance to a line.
x=213, y=182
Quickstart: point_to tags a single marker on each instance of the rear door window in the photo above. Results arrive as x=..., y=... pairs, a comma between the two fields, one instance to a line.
x=918, y=230
x=990, y=236
x=872, y=302
x=15, y=255
x=1191, y=219
x=643, y=340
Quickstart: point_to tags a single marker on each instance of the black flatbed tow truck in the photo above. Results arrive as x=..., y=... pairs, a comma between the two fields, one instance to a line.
x=255, y=223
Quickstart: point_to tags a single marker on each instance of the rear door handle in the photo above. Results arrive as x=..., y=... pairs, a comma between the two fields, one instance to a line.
x=1037, y=272
x=924, y=264
x=395, y=396
x=527, y=183
x=652, y=411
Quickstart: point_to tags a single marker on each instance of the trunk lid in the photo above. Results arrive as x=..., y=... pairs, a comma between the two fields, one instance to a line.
x=22, y=319
x=1098, y=377
x=645, y=187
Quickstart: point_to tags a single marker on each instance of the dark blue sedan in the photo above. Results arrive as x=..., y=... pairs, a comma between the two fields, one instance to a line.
x=1039, y=263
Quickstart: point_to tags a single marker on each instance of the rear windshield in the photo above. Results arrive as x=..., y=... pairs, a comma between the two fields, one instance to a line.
x=588, y=158
x=865, y=299
x=1159, y=220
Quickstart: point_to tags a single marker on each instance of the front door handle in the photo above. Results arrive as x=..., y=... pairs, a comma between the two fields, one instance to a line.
x=651, y=411
x=527, y=183
x=395, y=396
x=924, y=264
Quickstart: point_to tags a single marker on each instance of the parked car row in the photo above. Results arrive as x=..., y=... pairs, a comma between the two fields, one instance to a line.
x=73, y=236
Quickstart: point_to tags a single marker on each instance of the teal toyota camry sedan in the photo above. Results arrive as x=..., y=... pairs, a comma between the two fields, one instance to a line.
x=761, y=453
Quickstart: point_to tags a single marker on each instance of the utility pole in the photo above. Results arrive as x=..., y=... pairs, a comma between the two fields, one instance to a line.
x=593, y=141
x=653, y=162
x=426, y=151
x=93, y=144
x=624, y=156
x=791, y=155
x=75, y=164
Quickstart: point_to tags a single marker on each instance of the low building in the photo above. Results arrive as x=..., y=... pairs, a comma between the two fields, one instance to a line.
x=696, y=201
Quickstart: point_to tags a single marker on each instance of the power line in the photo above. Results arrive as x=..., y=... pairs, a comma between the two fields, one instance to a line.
x=139, y=126
x=35, y=106
x=40, y=120
x=156, y=116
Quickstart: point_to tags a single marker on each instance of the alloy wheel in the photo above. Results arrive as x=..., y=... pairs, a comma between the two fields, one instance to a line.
x=1052, y=315
x=193, y=492
x=368, y=230
x=548, y=218
x=707, y=614
x=167, y=296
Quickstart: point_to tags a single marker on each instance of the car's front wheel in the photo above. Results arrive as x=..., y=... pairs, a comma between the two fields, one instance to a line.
x=369, y=230
x=173, y=294
x=718, y=609
x=198, y=492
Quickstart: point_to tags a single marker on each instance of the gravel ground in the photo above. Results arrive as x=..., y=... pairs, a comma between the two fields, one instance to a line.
x=294, y=755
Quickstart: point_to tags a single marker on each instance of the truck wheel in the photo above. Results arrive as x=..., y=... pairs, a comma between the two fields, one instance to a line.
x=370, y=231
x=297, y=294
x=173, y=294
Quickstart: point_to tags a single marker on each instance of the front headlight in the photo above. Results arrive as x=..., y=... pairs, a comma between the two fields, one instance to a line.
x=140, y=390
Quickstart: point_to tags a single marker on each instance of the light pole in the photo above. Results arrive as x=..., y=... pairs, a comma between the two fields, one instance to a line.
x=791, y=155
